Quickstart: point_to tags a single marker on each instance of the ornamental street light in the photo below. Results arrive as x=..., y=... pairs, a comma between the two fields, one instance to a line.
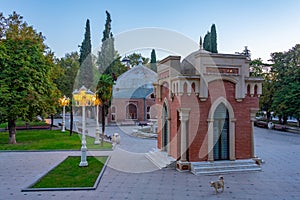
x=83, y=98
x=97, y=102
x=64, y=101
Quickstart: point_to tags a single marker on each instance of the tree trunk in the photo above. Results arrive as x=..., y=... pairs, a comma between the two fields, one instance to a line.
x=12, y=131
x=103, y=123
x=71, y=120
x=52, y=121
x=268, y=116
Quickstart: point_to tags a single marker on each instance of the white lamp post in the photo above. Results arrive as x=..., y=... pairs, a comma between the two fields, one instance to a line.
x=83, y=98
x=64, y=101
x=97, y=102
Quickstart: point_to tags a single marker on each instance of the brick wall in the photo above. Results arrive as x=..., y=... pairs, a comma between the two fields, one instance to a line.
x=198, y=125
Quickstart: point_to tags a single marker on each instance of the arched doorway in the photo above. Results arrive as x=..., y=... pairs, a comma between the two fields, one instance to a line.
x=165, y=129
x=221, y=133
x=131, y=111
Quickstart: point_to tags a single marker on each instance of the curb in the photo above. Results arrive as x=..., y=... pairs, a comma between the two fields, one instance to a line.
x=29, y=189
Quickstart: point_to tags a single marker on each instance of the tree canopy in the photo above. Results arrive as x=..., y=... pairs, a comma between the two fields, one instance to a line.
x=281, y=85
x=109, y=61
x=26, y=72
x=286, y=81
x=210, y=40
x=134, y=59
x=153, y=65
x=86, y=71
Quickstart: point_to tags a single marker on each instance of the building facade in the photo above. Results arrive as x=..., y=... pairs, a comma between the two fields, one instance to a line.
x=133, y=99
x=207, y=107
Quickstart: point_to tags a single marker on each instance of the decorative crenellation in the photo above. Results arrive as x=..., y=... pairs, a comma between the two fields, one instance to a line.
x=253, y=89
x=182, y=86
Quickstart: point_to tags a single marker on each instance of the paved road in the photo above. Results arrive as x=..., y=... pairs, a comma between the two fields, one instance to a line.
x=279, y=179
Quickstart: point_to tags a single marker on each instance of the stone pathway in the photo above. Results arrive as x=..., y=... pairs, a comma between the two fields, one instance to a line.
x=279, y=178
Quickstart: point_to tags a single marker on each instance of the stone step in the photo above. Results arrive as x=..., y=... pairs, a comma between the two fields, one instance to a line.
x=224, y=163
x=159, y=158
x=224, y=167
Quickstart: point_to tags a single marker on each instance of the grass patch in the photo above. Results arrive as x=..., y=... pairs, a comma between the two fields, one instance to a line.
x=23, y=123
x=68, y=174
x=48, y=140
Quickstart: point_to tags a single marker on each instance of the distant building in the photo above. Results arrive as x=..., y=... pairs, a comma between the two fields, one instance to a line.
x=207, y=107
x=133, y=99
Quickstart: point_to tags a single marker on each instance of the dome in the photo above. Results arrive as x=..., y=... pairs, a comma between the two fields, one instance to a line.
x=138, y=82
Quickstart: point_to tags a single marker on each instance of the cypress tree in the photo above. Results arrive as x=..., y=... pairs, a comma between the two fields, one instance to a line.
x=86, y=75
x=108, y=59
x=206, y=42
x=107, y=52
x=153, y=65
x=213, y=39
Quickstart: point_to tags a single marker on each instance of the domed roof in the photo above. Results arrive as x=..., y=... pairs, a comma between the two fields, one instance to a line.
x=138, y=81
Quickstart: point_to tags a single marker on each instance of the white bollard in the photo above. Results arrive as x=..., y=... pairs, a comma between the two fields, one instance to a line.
x=116, y=138
x=270, y=125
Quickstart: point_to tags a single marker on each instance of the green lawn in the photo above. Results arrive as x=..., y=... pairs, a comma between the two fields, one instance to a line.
x=69, y=174
x=47, y=140
x=22, y=123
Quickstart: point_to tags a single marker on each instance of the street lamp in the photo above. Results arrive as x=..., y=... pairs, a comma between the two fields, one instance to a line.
x=83, y=98
x=64, y=101
x=97, y=102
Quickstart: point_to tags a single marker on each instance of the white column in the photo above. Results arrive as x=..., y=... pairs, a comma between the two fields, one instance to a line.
x=232, y=139
x=97, y=139
x=63, y=129
x=83, y=162
x=184, y=117
x=210, y=140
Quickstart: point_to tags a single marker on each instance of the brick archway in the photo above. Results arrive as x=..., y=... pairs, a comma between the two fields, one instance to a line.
x=165, y=121
x=210, y=132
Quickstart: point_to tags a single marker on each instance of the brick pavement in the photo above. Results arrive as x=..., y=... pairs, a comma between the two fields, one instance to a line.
x=279, y=178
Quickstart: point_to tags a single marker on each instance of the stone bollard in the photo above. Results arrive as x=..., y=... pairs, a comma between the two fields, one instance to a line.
x=270, y=125
x=116, y=138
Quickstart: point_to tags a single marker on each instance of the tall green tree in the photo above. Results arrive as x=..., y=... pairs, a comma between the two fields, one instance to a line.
x=210, y=40
x=153, y=65
x=213, y=39
x=207, y=42
x=26, y=63
x=286, y=72
x=109, y=61
x=86, y=71
x=69, y=65
x=104, y=93
x=266, y=99
x=134, y=59
x=66, y=82
x=107, y=53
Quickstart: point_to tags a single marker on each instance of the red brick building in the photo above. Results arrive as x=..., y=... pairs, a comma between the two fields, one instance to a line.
x=207, y=105
x=133, y=99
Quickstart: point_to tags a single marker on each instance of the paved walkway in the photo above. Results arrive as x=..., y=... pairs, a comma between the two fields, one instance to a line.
x=280, y=178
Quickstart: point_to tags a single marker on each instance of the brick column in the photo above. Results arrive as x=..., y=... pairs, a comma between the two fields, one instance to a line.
x=252, y=119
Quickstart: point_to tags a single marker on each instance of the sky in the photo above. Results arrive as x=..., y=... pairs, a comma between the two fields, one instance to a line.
x=265, y=26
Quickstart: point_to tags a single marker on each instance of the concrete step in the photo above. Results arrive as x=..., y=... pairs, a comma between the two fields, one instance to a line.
x=159, y=158
x=221, y=167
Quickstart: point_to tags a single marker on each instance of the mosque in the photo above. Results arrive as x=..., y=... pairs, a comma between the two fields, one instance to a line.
x=133, y=99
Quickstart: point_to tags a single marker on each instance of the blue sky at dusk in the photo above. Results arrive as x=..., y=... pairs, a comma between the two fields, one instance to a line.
x=264, y=26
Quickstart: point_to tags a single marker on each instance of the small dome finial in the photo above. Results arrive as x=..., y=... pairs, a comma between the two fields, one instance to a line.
x=140, y=60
